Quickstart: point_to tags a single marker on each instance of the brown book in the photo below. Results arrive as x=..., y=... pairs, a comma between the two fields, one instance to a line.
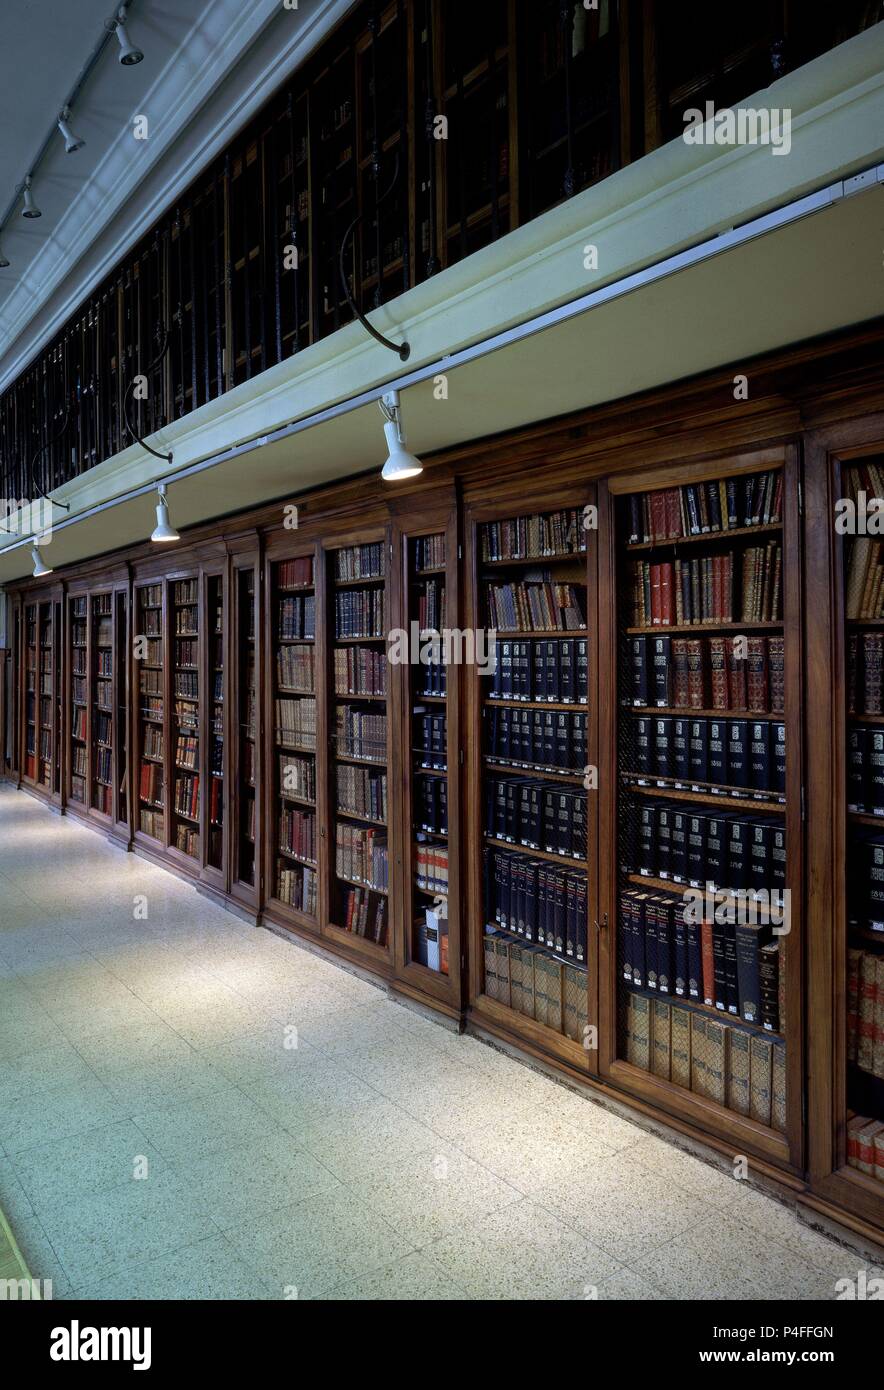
x=680, y=1055
x=873, y=648
x=760, y=1079
x=756, y=682
x=717, y=1036
x=718, y=675
x=737, y=668
x=778, y=1088
x=878, y=1050
x=738, y=1072
x=776, y=670
x=868, y=991
x=707, y=956
x=854, y=961
x=696, y=650
x=661, y=1038
x=680, y=673
x=699, y=1060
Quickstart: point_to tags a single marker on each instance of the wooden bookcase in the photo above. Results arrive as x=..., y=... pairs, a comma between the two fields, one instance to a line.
x=243, y=708
x=150, y=760
x=530, y=981
x=680, y=828
x=845, y=928
x=427, y=778
x=357, y=618
x=292, y=747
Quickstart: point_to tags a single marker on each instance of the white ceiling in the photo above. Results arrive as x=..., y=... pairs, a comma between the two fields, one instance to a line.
x=208, y=65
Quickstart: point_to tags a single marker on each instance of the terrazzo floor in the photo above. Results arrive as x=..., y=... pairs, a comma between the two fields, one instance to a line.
x=193, y=1108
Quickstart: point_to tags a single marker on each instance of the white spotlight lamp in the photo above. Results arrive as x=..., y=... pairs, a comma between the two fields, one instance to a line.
x=39, y=567
x=29, y=208
x=129, y=55
x=400, y=463
x=163, y=532
x=72, y=142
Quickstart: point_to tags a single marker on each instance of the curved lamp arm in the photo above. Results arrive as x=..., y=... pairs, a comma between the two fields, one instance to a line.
x=133, y=434
x=42, y=449
x=402, y=349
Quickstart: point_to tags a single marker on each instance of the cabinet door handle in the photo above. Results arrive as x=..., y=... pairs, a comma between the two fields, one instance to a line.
x=603, y=924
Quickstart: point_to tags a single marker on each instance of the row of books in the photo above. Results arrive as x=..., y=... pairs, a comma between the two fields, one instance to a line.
x=865, y=578
x=297, y=833
x=361, y=854
x=186, y=622
x=535, y=984
x=544, y=903
x=105, y=663
x=722, y=673
x=431, y=614
x=864, y=661
x=865, y=1145
x=360, y=735
x=151, y=622
x=554, y=740
x=101, y=605
x=187, y=840
x=555, y=671
x=78, y=690
x=78, y=634
x=78, y=608
x=187, y=796
x=365, y=914
x=360, y=671
x=521, y=811
x=78, y=789
x=865, y=769
x=103, y=799
x=432, y=679
x=216, y=801
x=431, y=804
x=152, y=650
x=430, y=938
x=295, y=574
x=185, y=591
x=431, y=867
x=186, y=652
x=78, y=662
x=297, y=776
x=743, y=1071
x=733, y=853
x=731, y=966
x=742, y=754
x=360, y=562
x=535, y=605
x=151, y=785
x=187, y=715
x=296, y=722
x=431, y=739
x=297, y=886
x=295, y=668
x=102, y=769
x=78, y=723
x=694, y=509
x=430, y=552
x=187, y=749
x=361, y=613
x=102, y=727
x=187, y=684
x=865, y=880
x=104, y=694
x=865, y=1011
x=104, y=632
x=78, y=760
x=150, y=682
x=704, y=589
x=297, y=616
x=362, y=791
x=151, y=823
x=534, y=537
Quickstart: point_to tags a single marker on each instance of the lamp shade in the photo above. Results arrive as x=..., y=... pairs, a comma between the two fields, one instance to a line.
x=400, y=463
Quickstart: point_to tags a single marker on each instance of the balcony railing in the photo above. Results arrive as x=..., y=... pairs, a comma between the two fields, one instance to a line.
x=417, y=134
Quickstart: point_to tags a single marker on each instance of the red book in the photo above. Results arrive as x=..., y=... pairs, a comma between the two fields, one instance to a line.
x=655, y=595
x=756, y=681
x=673, y=514
x=658, y=516
x=718, y=671
x=696, y=673
x=708, y=960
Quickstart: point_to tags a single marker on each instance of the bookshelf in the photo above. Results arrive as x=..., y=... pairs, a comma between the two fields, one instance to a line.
x=846, y=820
x=46, y=702
x=101, y=696
x=78, y=666
x=214, y=738
x=122, y=647
x=428, y=947
x=243, y=692
x=701, y=972
x=30, y=722
x=186, y=774
x=357, y=580
x=533, y=818
x=150, y=746
x=293, y=847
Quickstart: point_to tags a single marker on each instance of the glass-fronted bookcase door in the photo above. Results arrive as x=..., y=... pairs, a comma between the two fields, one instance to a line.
x=701, y=877
x=844, y=486
x=424, y=668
